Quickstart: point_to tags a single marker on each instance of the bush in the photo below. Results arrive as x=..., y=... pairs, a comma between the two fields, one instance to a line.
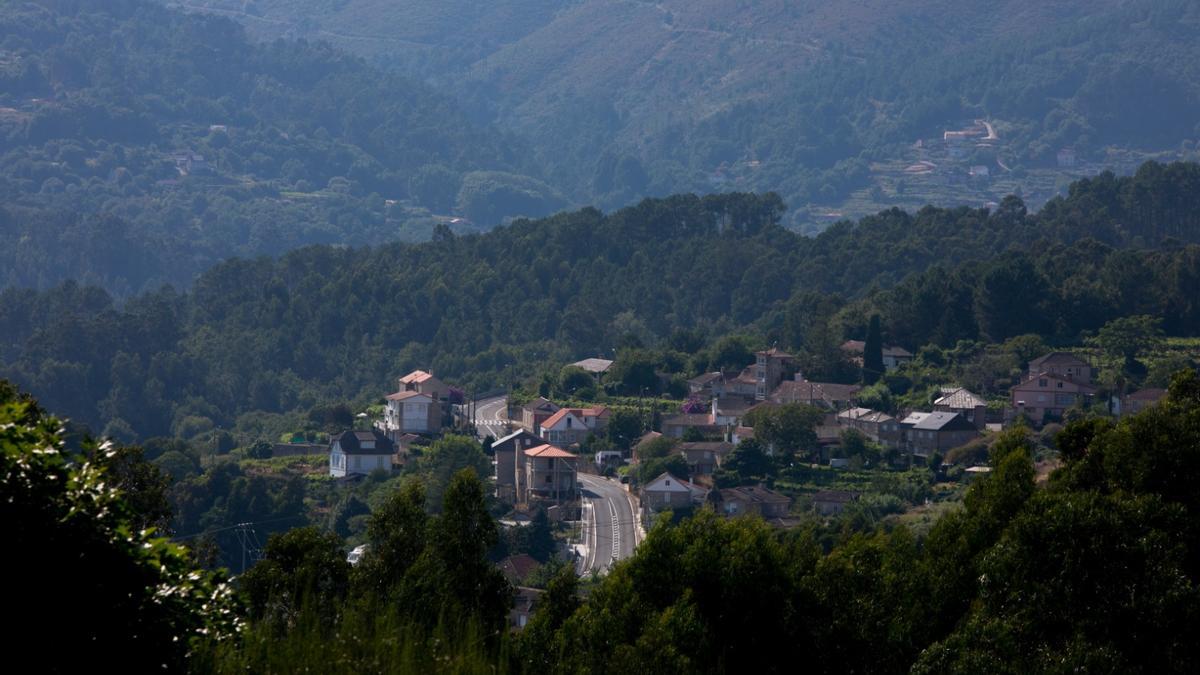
x=971, y=454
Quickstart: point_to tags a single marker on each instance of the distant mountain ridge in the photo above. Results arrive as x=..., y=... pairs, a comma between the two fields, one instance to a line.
x=125, y=121
x=814, y=99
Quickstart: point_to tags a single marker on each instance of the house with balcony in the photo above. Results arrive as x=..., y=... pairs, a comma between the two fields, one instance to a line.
x=550, y=474
x=509, y=457
x=572, y=425
x=411, y=412
x=1046, y=396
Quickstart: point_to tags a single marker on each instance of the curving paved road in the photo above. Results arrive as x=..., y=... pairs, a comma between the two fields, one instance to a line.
x=491, y=417
x=610, y=529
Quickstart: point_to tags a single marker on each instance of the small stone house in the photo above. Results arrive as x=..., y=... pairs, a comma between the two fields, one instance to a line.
x=667, y=493
x=752, y=500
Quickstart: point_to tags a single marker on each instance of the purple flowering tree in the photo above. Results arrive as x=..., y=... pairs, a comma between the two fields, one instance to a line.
x=694, y=405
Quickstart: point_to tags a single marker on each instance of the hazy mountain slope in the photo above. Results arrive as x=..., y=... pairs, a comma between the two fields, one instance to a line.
x=192, y=143
x=823, y=101
x=426, y=35
x=328, y=323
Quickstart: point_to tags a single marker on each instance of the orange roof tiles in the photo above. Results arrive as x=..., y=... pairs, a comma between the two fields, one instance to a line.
x=548, y=450
x=402, y=395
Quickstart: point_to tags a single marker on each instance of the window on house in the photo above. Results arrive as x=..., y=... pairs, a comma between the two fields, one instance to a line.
x=548, y=478
x=1042, y=382
x=1059, y=385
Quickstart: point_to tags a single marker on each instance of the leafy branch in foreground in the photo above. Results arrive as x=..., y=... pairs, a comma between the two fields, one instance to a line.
x=132, y=598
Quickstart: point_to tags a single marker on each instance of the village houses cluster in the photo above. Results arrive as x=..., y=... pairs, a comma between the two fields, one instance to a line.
x=536, y=460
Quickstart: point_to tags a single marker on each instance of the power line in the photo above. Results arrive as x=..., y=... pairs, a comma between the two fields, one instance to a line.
x=233, y=527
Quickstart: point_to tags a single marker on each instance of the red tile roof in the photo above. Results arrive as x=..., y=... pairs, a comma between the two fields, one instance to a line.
x=517, y=567
x=557, y=417
x=416, y=377
x=554, y=419
x=854, y=346
x=403, y=395
x=548, y=450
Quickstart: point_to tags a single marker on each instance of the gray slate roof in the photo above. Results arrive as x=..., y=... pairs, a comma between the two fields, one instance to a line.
x=944, y=421
x=351, y=443
x=960, y=399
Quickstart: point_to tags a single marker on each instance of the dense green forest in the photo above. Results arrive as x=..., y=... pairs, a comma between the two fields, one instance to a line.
x=804, y=98
x=229, y=223
x=139, y=145
x=1093, y=570
x=258, y=338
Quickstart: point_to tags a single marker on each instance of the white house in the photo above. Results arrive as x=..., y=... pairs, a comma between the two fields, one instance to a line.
x=572, y=425
x=729, y=410
x=411, y=412
x=360, y=452
x=425, y=383
x=669, y=492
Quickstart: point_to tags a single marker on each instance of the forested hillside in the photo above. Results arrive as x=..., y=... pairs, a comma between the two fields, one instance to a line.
x=334, y=324
x=826, y=103
x=140, y=145
x=1092, y=570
